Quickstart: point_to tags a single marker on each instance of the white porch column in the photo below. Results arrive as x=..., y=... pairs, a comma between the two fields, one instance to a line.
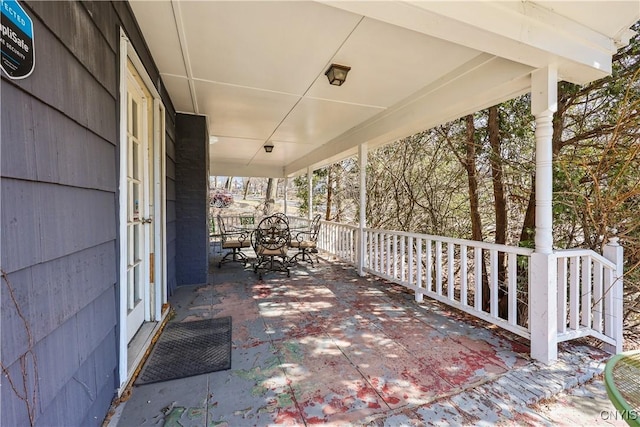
x=363, y=151
x=613, y=323
x=543, y=287
x=310, y=192
x=286, y=184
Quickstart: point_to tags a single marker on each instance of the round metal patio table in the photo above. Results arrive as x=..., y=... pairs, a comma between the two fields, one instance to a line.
x=622, y=380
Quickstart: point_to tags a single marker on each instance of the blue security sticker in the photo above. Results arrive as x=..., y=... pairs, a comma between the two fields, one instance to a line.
x=18, y=57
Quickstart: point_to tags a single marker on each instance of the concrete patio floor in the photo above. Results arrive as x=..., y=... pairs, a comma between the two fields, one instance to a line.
x=326, y=346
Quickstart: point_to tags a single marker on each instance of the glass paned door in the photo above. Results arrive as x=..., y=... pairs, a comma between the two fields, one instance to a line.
x=137, y=206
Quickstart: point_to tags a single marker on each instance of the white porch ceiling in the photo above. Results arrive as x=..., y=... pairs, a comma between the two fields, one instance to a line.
x=256, y=69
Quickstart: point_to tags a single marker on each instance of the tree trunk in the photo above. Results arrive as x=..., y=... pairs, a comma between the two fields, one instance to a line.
x=500, y=202
x=246, y=189
x=330, y=178
x=529, y=225
x=269, y=199
x=339, y=199
x=496, y=174
x=476, y=221
x=472, y=177
x=228, y=183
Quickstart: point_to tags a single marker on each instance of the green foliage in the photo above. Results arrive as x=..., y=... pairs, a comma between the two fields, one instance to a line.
x=319, y=183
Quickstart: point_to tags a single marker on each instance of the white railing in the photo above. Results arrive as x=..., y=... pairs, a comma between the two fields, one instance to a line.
x=589, y=297
x=490, y=281
x=339, y=240
x=456, y=272
x=336, y=239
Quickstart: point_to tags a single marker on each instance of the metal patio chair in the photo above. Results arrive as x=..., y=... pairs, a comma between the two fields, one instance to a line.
x=270, y=241
x=306, y=242
x=235, y=240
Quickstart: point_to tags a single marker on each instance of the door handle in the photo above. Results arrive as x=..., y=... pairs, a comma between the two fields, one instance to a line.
x=146, y=220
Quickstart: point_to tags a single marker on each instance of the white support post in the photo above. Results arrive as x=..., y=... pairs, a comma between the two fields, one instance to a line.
x=310, y=192
x=362, y=223
x=613, y=296
x=543, y=304
x=286, y=184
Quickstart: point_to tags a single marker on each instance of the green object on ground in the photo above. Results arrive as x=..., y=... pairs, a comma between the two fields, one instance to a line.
x=622, y=380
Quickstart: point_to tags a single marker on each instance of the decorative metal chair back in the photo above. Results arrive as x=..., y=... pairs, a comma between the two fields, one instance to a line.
x=270, y=242
x=282, y=216
x=222, y=227
x=272, y=233
x=307, y=242
x=314, y=228
x=233, y=240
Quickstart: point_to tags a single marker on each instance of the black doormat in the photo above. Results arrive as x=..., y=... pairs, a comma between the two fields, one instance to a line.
x=189, y=348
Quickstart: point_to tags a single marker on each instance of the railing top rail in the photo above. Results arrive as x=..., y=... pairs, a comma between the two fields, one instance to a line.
x=567, y=253
x=473, y=243
x=341, y=224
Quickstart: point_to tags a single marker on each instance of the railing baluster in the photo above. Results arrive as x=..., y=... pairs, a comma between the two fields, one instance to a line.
x=438, y=267
x=597, y=296
x=381, y=253
x=403, y=259
x=574, y=292
x=374, y=251
x=512, y=275
x=493, y=261
x=394, y=256
x=332, y=245
x=367, y=250
x=451, y=271
x=345, y=244
x=419, y=283
x=586, y=291
x=562, y=295
x=381, y=250
x=352, y=245
x=429, y=266
x=387, y=253
x=419, y=278
x=463, y=274
x=409, y=276
x=609, y=304
x=477, y=259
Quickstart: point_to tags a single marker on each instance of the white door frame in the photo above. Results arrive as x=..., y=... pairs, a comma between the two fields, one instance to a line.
x=159, y=288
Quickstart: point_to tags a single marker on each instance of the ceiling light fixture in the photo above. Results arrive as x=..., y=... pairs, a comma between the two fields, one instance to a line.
x=268, y=147
x=337, y=74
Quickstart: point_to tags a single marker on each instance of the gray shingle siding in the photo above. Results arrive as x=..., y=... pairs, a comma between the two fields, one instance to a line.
x=192, y=189
x=58, y=193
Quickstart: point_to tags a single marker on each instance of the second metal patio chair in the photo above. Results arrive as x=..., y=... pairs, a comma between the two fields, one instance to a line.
x=233, y=240
x=306, y=242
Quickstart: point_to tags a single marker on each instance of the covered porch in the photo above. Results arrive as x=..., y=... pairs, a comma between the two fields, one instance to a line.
x=257, y=72
x=329, y=346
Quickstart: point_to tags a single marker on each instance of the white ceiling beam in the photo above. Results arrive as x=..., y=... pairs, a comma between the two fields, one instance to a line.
x=520, y=31
x=184, y=50
x=239, y=169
